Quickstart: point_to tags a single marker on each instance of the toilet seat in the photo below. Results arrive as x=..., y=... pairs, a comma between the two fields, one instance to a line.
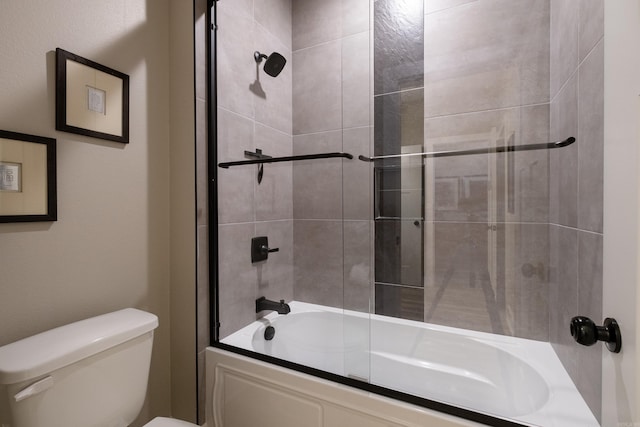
x=168, y=422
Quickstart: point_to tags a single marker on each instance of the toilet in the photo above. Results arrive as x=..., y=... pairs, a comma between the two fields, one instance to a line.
x=90, y=373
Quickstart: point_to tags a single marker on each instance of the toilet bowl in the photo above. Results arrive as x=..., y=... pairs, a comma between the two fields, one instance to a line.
x=92, y=372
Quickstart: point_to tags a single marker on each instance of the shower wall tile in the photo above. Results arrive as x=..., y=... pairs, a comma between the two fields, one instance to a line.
x=235, y=185
x=431, y=6
x=239, y=277
x=525, y=249
x=399, y=252
x=236, y=7
x=356, y=96
x=399, y=301
x=316, y=22
x=274, y=195
x=357, y=265
x=486, y=55
x=317, y=189
x=272, y=96
x=398, y=45
x=355, y=16
x=275, y=17
x=563, y=293
x=202, y=180
x=202, y=291
x=591, y=25
x=200, y=37
x=318, y=260
x=564, y=161
x=317, y=93
x=356, y=178
x=461, y=184
x=236, y=66
x=591, y=140
x=399, y=122
x=275, y=275
x=589, y=380
x=564, y=55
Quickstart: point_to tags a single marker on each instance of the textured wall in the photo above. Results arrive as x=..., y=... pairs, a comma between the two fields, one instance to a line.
x=576, y=185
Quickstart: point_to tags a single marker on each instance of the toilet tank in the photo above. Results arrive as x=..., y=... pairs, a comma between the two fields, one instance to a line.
x=92, y=373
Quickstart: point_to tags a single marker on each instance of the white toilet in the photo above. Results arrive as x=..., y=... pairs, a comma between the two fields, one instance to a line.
x=91, y=373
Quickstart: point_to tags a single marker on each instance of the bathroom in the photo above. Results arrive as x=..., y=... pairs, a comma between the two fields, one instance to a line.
x=133, y=243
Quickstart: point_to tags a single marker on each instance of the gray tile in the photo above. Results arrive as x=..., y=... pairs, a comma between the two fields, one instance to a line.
x=235, y=185
x=236, y=66
x=200, y=35
x=399, y=252
x=518, y=182
x=486, y=55
x=398, y=46
x=276, y=17
x=563, y=184
x=274, y=195
x=524, y=255
x=589, y=379
x=275, y=275
x=563, y=293
x=355, y=16
x=202, y=179
x=399, y=301
x=564, y=55
x=463, y=292
x=356, y=185
x=237, y=7
x=591, y=25
x=591, y=140
x=202, y=291
x=431, y=6
x=358, y=273
x=317, y=184
x=356, y=97
x=238, y=277
x=272, y=96
x=316, y=22
x=317, y=92
x=318, y=262
x=399, y=123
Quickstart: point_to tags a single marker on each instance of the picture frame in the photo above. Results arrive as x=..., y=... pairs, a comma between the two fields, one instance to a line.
x=91, y=99
x=27, y=178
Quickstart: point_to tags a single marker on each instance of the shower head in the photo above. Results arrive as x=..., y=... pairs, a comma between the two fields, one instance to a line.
x=274, y=63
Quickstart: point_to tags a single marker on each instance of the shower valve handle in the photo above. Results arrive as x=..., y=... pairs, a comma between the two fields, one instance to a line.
x=266, y=250
x=586, y=332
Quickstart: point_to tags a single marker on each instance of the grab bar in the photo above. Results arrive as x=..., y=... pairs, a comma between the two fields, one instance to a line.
x=267, y=159
x=488, y=150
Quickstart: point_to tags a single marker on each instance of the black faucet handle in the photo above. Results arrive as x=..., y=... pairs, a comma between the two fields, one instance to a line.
x=586, y=332
x=260, y=249
x=267, y=250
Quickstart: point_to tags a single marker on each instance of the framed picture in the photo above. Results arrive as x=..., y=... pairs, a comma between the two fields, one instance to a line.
x=91, y=99
x=27, y=178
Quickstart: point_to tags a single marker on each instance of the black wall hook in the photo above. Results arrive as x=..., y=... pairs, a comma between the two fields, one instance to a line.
x=586, y=332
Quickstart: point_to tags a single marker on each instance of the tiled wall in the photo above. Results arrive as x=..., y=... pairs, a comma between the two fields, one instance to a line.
x=331, y=112
x=254, y=112
x=576, y=185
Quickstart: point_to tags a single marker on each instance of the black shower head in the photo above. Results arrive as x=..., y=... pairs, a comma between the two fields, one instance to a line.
x=274, y=63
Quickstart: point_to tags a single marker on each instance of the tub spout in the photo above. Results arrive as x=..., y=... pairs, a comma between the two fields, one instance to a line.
x=264, y=304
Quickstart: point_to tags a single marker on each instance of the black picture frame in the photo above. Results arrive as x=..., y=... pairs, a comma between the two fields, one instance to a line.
x=91, y=99
x=33, y=197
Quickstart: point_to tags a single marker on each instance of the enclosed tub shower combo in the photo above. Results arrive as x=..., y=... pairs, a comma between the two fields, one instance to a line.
x=401, y=230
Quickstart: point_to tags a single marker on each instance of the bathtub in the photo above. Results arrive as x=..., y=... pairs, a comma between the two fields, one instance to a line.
x=507, y=378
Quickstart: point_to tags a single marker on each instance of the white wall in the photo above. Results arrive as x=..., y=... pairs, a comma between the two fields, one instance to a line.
x=110, y=247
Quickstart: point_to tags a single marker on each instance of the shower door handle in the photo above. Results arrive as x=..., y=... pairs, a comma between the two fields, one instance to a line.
x=585, y=332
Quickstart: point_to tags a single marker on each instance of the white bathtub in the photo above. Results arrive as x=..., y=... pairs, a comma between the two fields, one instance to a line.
x=505, y=377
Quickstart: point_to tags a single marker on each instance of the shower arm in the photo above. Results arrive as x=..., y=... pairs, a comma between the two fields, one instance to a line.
x=488, y=150
x=266, y=159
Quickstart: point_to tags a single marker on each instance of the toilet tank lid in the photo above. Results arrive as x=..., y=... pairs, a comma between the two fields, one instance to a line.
x=54, y=349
